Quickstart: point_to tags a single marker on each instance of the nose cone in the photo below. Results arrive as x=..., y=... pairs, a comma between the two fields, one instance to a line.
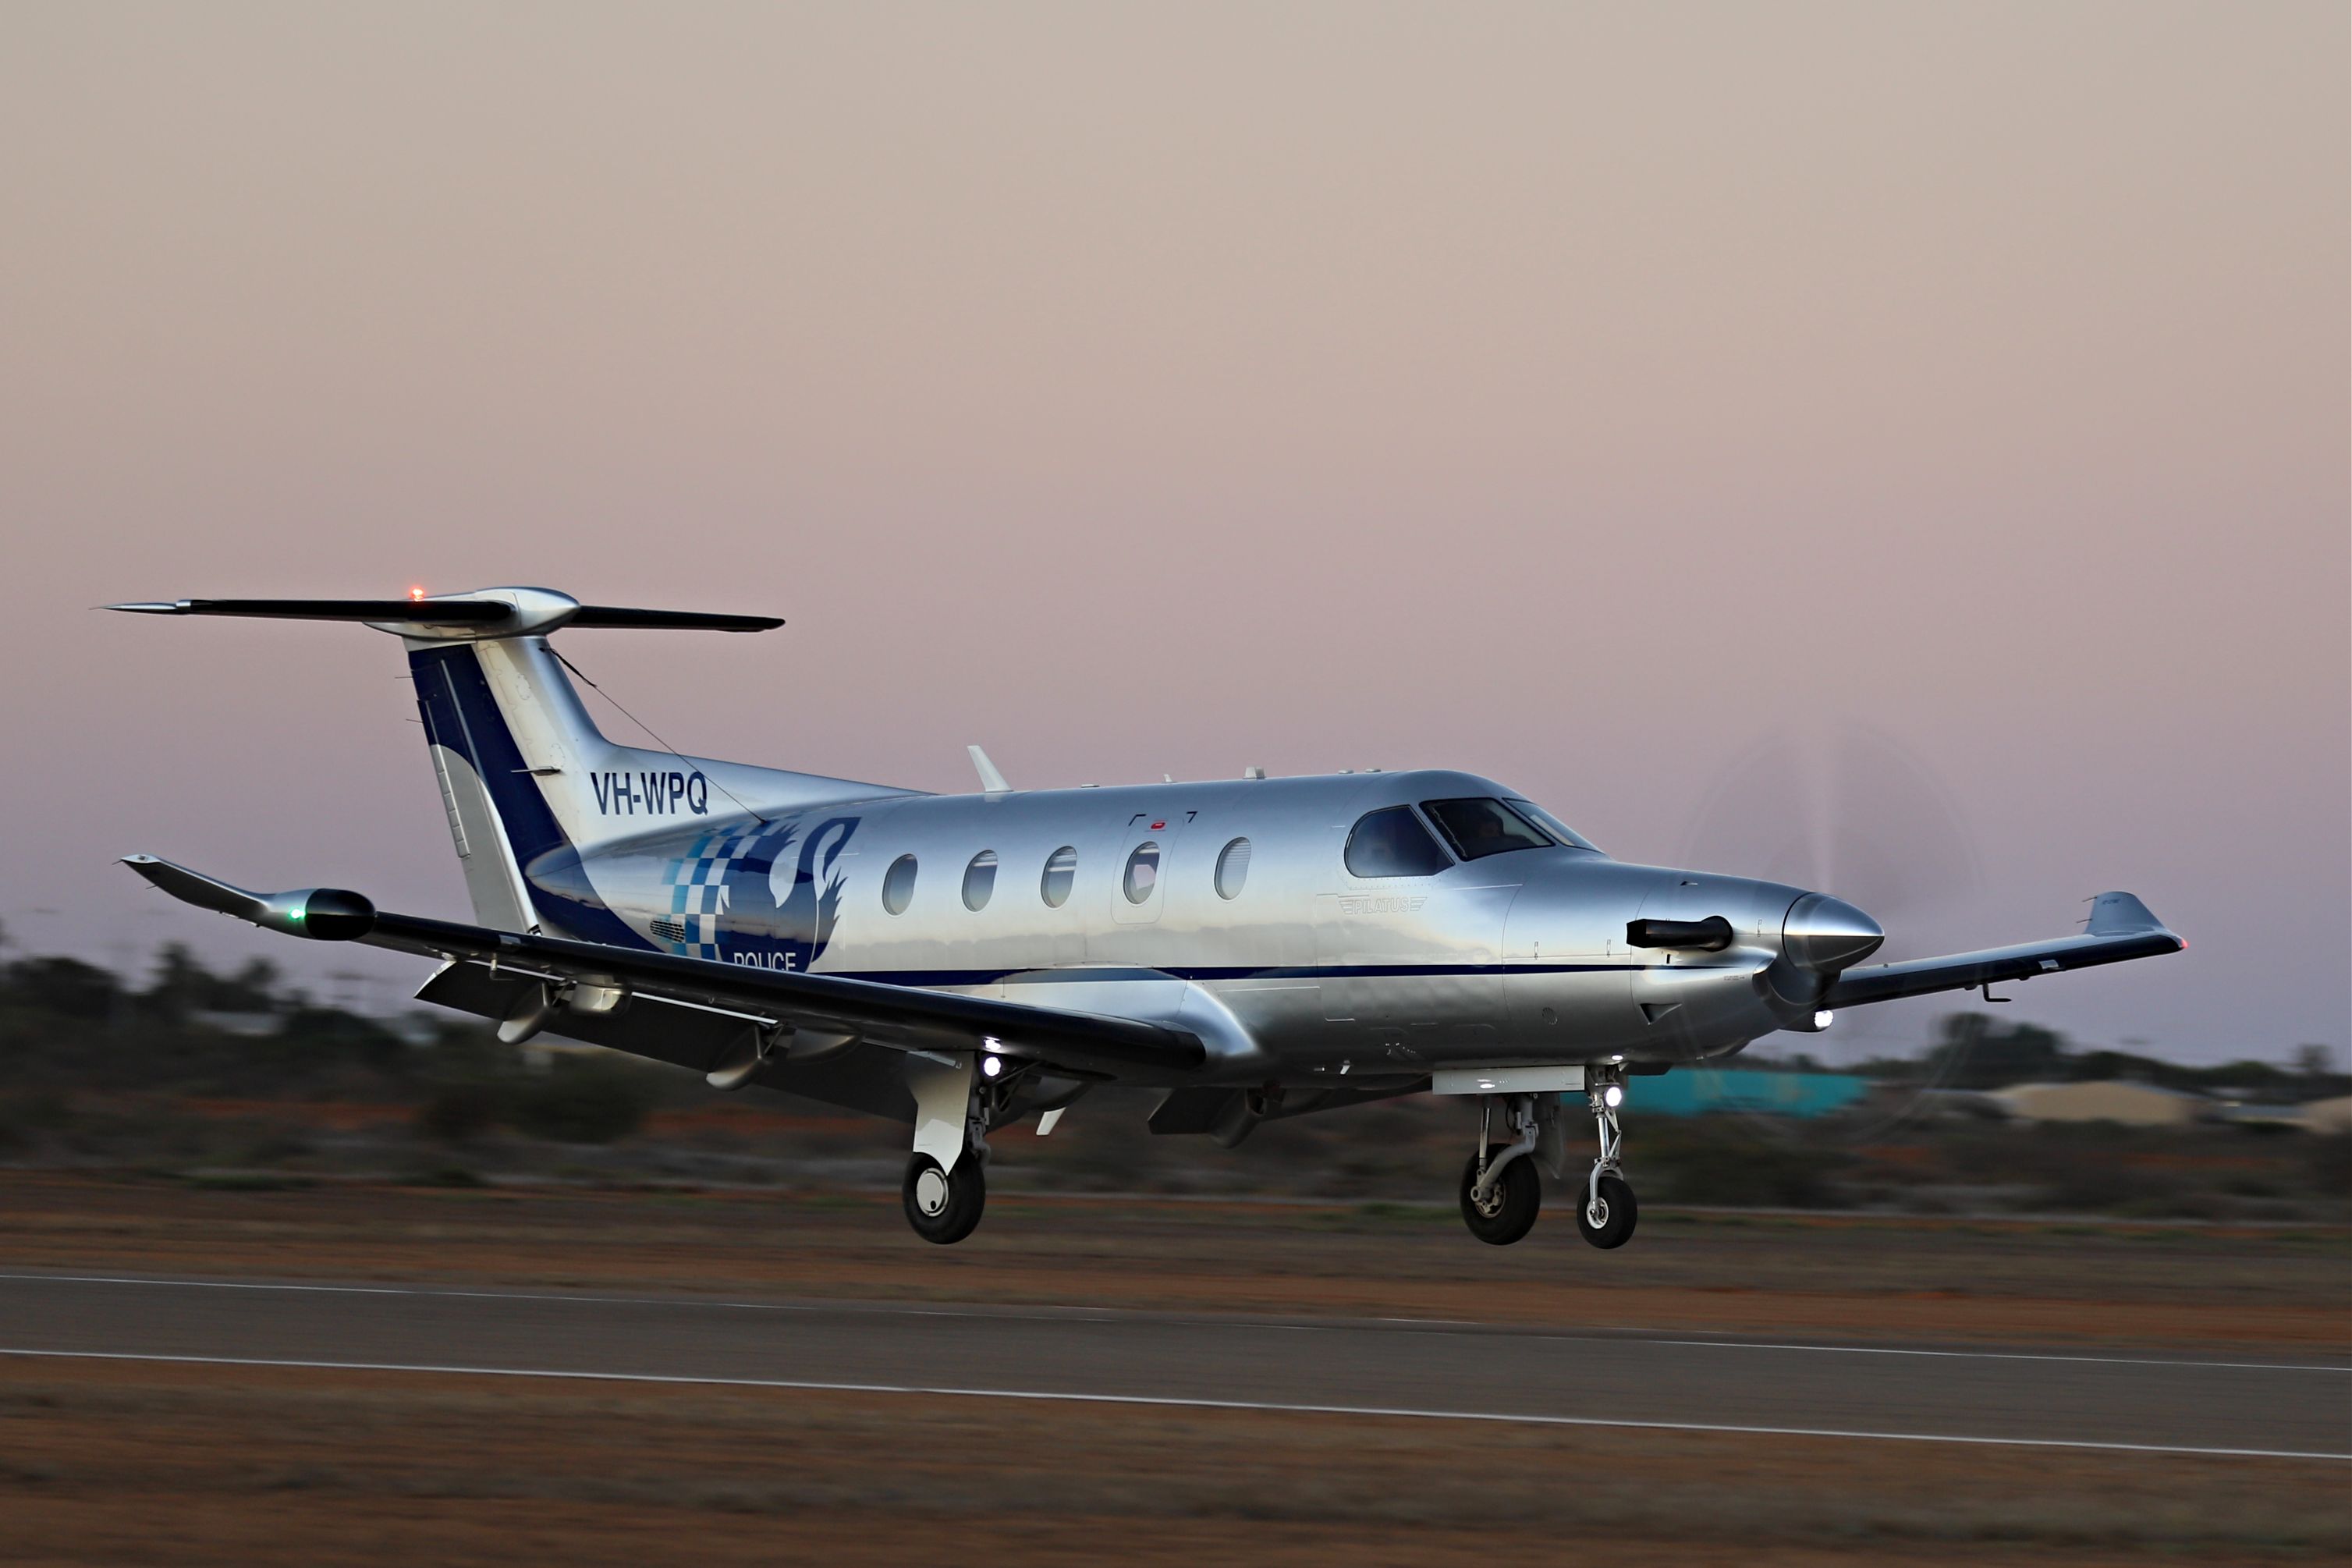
x=1822, y=932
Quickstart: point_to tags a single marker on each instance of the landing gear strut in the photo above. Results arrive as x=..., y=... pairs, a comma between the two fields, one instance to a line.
x=1500, y=1190
x=947, y=1181
x=1607, y=1217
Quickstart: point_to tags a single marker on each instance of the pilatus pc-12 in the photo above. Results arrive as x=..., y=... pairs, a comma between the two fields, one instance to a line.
x=1253, y=949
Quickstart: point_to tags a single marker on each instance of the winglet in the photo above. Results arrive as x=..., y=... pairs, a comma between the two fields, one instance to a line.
x=990, y=779
x=322, y=914
x=193, y=888
x=2116, y=914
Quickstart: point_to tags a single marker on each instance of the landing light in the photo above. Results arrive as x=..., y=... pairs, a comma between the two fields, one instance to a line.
x=991, y=1066
x=1613, y=1096
x=1821, y=1020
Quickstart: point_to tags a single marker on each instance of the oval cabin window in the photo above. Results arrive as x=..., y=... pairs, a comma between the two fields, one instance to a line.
x=1142, y=872
x=1061, y=870
x=1232, y=869
x=979, y=880
x=898, y=885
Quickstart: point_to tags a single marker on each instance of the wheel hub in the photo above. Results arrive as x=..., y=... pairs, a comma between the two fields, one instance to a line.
x=932, y=1192
x=1488, y=1200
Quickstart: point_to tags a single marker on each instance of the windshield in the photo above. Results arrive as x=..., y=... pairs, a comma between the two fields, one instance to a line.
x=1554, y=826
x=1476, y=828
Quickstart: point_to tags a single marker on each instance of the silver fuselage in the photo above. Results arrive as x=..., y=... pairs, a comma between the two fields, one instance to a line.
x=1304, y=975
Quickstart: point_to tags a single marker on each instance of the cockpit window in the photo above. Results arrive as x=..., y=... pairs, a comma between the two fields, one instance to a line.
x=1393, y=843
x=1476, y=828
x=1553, y=825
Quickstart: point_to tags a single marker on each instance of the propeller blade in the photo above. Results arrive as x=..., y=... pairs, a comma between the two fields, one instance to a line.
x=1842, y=809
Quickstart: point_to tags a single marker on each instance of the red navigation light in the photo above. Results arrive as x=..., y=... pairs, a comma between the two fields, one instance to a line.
x=416, y=595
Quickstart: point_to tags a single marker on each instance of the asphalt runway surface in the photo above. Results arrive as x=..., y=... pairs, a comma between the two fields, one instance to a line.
x=1439, y=1371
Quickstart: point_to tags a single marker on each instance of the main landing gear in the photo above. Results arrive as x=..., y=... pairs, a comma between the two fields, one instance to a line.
x=947, y=1176
x=943, y=1206
x=1501, y=1192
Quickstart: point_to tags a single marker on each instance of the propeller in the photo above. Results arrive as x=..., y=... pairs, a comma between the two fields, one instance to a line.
x=1845, y=811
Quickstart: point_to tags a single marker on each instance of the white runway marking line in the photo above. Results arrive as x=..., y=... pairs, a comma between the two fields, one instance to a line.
x=2001, y=1355
x=1113, y=1315
x=1183, y=1403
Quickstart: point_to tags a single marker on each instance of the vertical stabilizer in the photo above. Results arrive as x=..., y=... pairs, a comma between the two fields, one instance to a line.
x=485, y=786
x=525, y=775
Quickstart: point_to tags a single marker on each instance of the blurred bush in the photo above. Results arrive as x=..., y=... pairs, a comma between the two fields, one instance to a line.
x=590, y=1101
x=457, y=1112
x=239, y=1072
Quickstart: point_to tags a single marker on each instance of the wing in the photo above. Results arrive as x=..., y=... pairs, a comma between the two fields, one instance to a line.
x=730, y=1021
x=2120, y=928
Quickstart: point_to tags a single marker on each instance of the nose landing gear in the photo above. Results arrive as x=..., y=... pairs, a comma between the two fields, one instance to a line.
x=1607, y=1217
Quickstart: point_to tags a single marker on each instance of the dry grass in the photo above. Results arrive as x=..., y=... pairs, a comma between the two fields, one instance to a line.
x=104, y=1462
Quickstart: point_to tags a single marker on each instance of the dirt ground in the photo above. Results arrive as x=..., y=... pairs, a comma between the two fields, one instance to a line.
x=113, y=1462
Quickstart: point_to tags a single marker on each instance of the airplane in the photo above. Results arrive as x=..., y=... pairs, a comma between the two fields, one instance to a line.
x=1253, y=949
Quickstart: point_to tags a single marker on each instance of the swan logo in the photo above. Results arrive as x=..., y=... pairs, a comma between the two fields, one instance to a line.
x=767, y=897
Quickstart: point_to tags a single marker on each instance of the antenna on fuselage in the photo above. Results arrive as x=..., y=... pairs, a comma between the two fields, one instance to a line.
x=992, y=781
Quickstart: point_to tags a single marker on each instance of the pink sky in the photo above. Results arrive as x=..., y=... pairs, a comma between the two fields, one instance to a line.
x=1575, y=395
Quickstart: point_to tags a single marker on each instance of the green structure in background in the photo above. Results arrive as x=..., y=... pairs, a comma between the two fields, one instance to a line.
x=1695, y=1091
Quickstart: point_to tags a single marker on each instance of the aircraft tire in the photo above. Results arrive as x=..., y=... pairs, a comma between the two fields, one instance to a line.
x=944, y=1217
x=1511, y=1213
x=1618, y=1213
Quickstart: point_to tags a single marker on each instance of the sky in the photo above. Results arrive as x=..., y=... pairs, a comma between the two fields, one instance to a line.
x=1923, y=423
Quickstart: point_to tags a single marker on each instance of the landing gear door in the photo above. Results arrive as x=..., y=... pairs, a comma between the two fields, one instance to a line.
x=1139, y=870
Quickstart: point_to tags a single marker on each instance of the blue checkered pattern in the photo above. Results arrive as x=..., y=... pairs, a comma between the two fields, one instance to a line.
x=697, y=887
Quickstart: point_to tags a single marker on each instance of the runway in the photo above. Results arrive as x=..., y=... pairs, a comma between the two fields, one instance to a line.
x=2021, y=1395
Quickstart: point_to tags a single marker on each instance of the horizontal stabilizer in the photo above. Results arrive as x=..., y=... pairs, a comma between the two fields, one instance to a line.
x=485, y=612
x=444, y=612
x=611, y=615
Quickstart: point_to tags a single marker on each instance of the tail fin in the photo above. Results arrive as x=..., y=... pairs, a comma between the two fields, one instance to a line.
x=499, y=819
x=525, y=775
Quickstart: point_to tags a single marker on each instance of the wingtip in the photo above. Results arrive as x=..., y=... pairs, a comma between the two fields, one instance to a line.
x=149, y=869
x=2119, y=913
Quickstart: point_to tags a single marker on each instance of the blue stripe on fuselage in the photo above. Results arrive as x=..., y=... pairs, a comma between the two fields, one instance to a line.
x=932, y=977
